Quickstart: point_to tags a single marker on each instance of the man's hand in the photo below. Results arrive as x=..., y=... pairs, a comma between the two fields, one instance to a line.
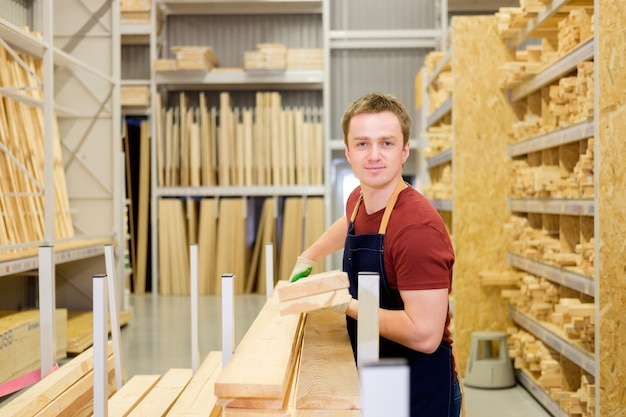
x=302, y=269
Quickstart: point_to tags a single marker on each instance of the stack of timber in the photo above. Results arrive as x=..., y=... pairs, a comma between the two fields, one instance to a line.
x=572, y=390
x=135, y=95
x=267, y=57
x=219, y=227
x=135, y=11
x=80, y=329
x=322, y=290
x=265, y=145
x=440, y=89
x=22, y=158
x=538, y=244
x=20, y=343
x=291, y=365
x=553, y=181
x=195, y=58
x=305, y=59
x=440, y=187
x=527, y=63
x=439, y=140
x=65, y=392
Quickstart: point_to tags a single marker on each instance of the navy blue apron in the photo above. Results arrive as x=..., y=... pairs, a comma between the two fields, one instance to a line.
x=431, y=374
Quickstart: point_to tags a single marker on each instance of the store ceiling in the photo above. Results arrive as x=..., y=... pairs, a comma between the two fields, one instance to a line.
x=475, y=6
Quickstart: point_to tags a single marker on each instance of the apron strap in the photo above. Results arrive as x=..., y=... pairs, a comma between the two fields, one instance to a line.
x=390, y=204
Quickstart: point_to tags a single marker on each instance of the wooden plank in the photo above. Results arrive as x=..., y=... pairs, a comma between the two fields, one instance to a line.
x=328, y=378
x=198, y=398
x=21, y=339
x=31, y=401
x=160, y=399
x=132, y=393
x=143, y=209
x=206, y=245
x=269, y=347
x=315, y=302
x=77, y=399
x=314, y=284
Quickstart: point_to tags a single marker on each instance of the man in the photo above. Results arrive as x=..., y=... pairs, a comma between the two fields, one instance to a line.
x=391, y=229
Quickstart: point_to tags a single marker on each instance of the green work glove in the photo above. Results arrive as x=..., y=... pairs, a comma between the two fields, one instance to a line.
x=302, y=269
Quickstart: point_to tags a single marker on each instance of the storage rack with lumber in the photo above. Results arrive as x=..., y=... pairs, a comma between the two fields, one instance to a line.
x=556, y=268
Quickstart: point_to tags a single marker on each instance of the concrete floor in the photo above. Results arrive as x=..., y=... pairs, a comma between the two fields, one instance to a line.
x=159, y=334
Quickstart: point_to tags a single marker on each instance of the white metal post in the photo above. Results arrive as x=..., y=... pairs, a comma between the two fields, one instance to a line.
x=116, y=336
x=367, y=324
x=47, y=307
x=269, y=269
x=228, y=317
x=100, y=347
x=385, y=388
x=195, y=347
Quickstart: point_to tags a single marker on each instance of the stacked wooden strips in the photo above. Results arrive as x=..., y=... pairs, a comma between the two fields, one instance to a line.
x=67, y=391
x=291, y=242
x=174, y=274
x=21, y=159
x=267, y=145
x=258, y=374
x=322, y=290
x=231, y=248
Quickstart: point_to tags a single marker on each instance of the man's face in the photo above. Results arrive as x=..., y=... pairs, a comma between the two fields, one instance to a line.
x=375, y=149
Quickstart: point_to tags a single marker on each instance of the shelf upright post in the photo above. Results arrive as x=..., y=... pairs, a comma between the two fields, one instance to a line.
x=109, y=257
x=228, y=317
x=100, y=346
x=367, y=325
x=193, y=268
x=47, y=307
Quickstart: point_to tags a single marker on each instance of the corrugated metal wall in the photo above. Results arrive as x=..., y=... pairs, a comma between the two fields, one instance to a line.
x=18, y=12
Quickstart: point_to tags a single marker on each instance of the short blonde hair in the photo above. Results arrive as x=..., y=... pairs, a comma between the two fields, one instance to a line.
x=377, y=103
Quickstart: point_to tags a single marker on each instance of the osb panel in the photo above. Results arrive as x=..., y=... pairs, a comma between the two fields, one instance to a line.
x=611, y=200
x=482, y=119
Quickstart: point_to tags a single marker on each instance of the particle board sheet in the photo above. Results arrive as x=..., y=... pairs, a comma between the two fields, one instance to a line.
x=20, y=341
x=328, y=378
x=160, y=399
x=231, y=255
x=610, y=203
x=480, y=245
x=34, y=399
x=132, y=393
x=264, y=360
x=198, y=398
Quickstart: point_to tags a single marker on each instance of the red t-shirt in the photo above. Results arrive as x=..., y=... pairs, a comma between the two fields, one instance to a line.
x=418, y=253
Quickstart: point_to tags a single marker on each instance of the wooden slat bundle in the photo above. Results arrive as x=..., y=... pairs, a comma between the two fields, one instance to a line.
x=263, y=362
x=21, y=158
x=50, y=389
x=322, y=290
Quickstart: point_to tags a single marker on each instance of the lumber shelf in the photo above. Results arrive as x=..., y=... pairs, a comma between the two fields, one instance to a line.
x=27, y=259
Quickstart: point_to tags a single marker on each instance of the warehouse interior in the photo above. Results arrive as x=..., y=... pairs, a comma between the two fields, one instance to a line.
x=183, y=142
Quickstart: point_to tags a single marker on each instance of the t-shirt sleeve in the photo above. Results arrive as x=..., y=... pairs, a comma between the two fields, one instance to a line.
x=423, y=258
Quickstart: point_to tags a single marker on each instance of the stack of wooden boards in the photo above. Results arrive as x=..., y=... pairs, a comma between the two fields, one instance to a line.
x=268, y=144
x=553, y=373
x=291, y=365
x=318, y=291
x=296, y=365
x=277, y=57
x=188, y=58
x=22, y=157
